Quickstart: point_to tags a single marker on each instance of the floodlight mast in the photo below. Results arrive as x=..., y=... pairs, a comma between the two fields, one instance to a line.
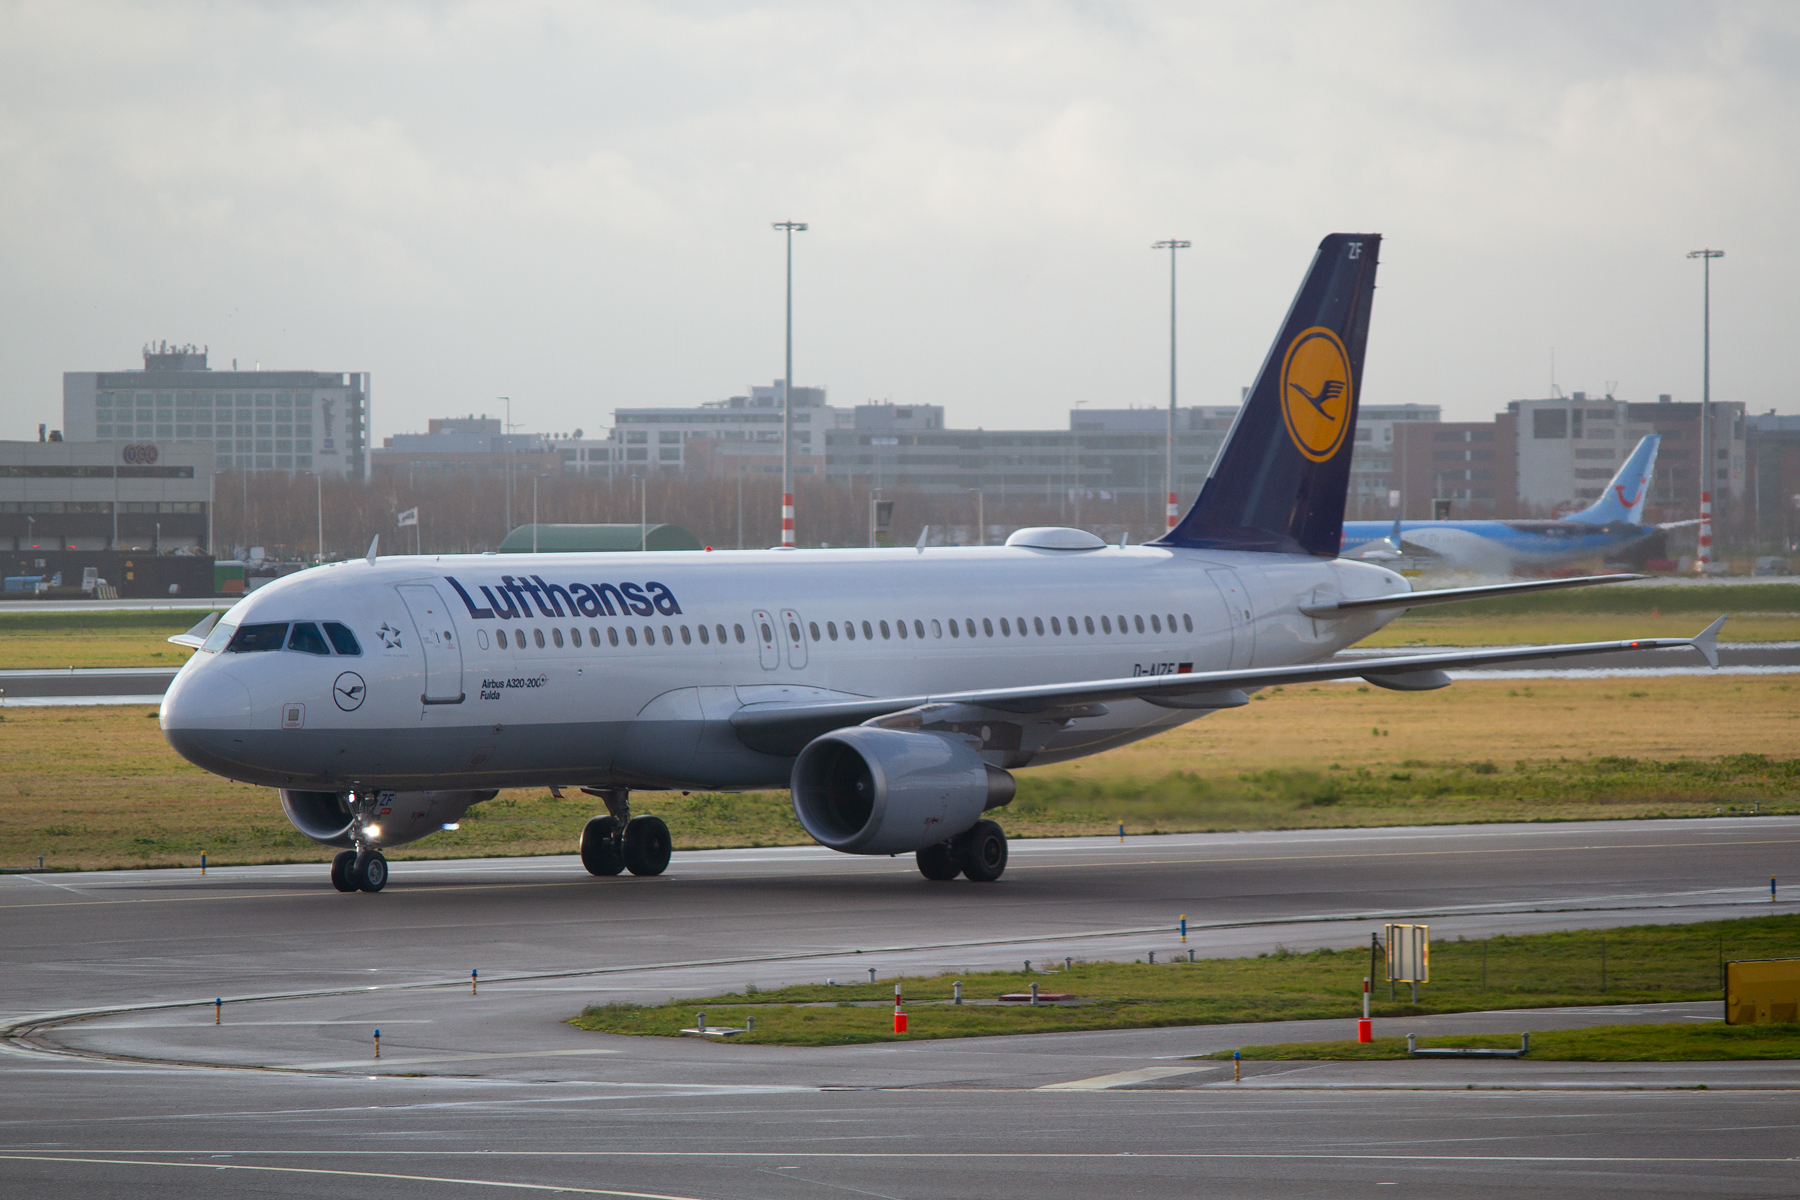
x=787, y=394
x=1171, y=245
x=1703, y=558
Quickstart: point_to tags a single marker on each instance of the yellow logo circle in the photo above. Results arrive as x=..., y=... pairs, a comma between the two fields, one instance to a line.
x=1315, y=393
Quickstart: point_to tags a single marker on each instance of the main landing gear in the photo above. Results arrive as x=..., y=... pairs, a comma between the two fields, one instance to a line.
x=359, y=871
x=980, y=854
x=621, y=842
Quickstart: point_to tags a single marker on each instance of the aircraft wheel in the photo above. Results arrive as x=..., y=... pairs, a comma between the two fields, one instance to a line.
x=370, y=871
x=938, y=862
x=600, y=850
x=984, y=852
x=340, y=871
x=647, y=846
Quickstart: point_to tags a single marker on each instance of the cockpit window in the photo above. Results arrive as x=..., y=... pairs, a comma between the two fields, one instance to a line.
x=307, y=639
x=219, y=638
x=341, y=638
x=251, y=638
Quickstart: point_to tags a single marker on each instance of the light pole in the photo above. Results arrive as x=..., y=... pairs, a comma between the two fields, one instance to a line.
x=534, y=523
x=507, y=400
x=1171, y=245
x=320, y=480
x=787, y=394
x=1706, y=455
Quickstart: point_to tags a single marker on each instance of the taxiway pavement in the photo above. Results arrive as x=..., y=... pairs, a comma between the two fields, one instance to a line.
x=117, y=1081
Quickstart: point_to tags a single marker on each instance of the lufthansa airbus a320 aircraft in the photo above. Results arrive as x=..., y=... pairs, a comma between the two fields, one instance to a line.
x=893, y=691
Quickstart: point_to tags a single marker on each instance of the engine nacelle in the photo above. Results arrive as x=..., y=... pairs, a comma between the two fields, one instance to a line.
x=866, y=790
x=398, y=818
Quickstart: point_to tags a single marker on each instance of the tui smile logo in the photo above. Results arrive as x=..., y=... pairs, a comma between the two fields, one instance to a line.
x=1316, y=393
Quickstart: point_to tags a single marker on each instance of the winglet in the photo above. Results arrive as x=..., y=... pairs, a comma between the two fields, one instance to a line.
x=196, y=637
x=1707, y=643
x=373, y=542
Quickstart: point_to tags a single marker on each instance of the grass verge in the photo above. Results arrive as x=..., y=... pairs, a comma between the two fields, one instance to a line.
x=1690, y=1041
x=110, y=638
x=1643, y=964
x=97, y=787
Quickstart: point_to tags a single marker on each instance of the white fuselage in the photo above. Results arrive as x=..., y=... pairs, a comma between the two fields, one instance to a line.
x=442, y=694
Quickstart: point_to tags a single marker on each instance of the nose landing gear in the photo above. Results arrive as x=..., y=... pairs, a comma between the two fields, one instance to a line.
x=621, y=842
x=363, y=869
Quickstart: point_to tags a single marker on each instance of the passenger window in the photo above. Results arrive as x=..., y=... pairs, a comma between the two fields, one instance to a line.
x=649, y=635
x=668, y=636
x=1155, y=623
x=987, y=626
x=342, y=640
x=849, y=631
x=937, y=631
x=1187, y=622
x=519, y=638
x=1075, y=626
x=739, y=630
x=593, y=637
x=556, y=636
x=575, y=638
x=612, y=635
x=868, y=633
x=1055, y=626
x=901, y=627
x=812, y=627
x=250, y=639
x=793, y=633
x=631, y=635
x=307, y=639
x=703, y=635
x=720, y=630
x=1005, y=631
x=686, y=638
x=768, y=634
x=537, y=635
x=1106, y=624
x=884, y=631
x=1124, y=626
x=1140, y=622
x=969, y=626
x=831, y=630
x=500, y=637
x=219, y=638
x=955, y=630
x=1038, y=624
x=1171, y=622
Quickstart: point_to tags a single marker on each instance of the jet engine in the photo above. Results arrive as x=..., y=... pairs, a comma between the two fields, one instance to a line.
x=394, y=818
x=867, y=790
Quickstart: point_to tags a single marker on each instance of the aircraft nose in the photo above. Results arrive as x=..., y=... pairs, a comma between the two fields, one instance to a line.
x=203, y=714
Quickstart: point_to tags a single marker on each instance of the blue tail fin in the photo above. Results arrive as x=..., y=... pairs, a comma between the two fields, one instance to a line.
x=1280, y=480
x=1623, y=499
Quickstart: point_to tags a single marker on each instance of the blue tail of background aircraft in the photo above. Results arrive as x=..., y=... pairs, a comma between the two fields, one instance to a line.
x=1279, y=483
x=1623, y=499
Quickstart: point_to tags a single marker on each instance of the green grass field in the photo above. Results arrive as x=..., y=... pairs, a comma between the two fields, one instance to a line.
x=96, y=787
x=1642, y=964
x=103, y=638
x=1711, y=1041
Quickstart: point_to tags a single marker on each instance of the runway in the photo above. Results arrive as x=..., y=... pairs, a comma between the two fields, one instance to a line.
x=118, y=1081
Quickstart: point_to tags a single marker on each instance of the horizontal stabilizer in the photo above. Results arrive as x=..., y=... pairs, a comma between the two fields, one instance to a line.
x=1707, y=643
x=1344, y=608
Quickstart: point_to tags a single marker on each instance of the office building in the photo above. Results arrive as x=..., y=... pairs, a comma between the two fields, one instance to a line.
x=97, y=496
x=308, y=421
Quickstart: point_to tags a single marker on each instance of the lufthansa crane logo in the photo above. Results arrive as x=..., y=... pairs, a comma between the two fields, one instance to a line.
x=1315, y=393
x=349, y=691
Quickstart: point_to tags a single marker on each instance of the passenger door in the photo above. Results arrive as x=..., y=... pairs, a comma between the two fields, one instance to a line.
x=1238, y=608
x=763, y=626
x=796, y=638
x=437, y=637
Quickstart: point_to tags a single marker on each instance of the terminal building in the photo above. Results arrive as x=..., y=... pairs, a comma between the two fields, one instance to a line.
x=313, y=422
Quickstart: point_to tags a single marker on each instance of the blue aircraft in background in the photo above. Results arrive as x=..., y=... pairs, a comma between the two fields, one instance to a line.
x=1609, y=527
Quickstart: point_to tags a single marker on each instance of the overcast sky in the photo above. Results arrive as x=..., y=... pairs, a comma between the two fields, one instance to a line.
x=570, y=203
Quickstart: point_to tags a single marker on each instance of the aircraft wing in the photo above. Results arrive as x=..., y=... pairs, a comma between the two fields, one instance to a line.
x=786, y=728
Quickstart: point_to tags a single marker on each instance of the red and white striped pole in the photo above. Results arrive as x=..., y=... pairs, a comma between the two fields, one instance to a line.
x=1172, y=510
x=1707, y=464
x=787, y=520
x=1705, y=531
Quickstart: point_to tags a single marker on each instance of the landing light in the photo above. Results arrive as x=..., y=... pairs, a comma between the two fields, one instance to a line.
x=373, y=831
x=453, y=825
